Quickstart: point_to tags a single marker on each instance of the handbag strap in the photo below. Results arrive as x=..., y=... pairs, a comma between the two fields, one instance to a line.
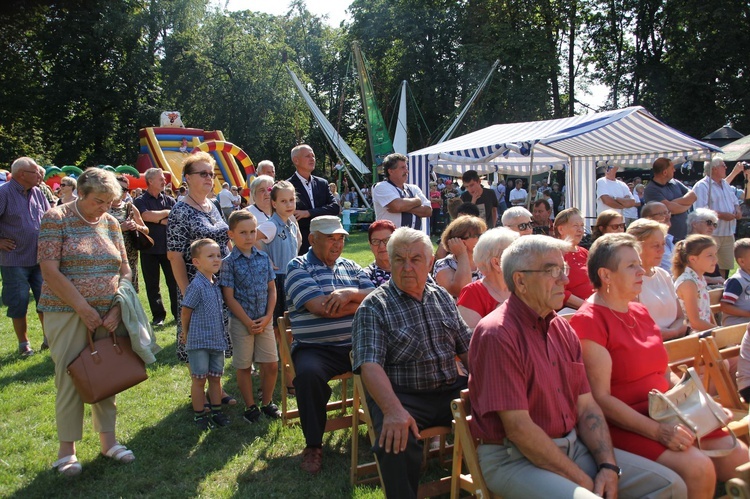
x=714, y=407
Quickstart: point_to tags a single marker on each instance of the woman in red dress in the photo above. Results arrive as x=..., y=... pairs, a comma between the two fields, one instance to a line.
x=570, y=227
x=625, y=358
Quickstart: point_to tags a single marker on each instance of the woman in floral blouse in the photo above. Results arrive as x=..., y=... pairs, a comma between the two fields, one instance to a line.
x=379, y=232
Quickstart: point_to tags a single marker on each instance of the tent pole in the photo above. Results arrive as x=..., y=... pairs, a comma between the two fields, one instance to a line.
x=531, y=176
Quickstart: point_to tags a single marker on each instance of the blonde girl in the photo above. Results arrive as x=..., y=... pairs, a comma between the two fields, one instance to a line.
x=281, y=237
x=692, y=258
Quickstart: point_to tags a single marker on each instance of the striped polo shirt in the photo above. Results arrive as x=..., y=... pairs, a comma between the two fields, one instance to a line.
x=307, y=278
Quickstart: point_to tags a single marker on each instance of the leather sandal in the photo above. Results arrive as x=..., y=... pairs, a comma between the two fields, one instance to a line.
x=120, y=453
x=68, y=465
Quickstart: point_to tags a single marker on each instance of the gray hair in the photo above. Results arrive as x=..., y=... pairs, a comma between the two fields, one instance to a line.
x=296, y=150
x=603, y=254
x=513, y=213
x=260, y=181
x=491, y=245
x=99, y=181
x=648, y=209
x=701, y=215
x=22, y=162
x=714, y=163
x=406, y=236
x=524, y=252
x=151, y=173
x=263, y=164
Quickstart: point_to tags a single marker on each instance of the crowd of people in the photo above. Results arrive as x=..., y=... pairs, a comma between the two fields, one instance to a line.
x=559, y=406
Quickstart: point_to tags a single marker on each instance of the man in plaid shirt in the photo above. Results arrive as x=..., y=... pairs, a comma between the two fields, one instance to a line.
x=405, y=337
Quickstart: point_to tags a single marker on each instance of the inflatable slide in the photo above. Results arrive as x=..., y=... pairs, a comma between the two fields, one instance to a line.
x=167, y=147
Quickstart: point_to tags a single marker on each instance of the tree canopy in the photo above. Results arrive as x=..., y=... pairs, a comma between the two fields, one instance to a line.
x=80, y=77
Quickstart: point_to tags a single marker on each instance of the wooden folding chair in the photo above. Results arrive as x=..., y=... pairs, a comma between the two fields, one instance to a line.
x=465, y=452
x=739, y=488
x=685, y=350
x=724, y=344
x=366, y=472
x=714, y=296
x=291, y=416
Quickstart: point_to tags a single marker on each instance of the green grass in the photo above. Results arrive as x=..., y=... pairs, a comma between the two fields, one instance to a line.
x=154, y=420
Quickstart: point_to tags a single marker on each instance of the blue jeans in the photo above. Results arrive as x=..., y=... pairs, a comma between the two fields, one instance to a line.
x=205, y=362
x=16, y=284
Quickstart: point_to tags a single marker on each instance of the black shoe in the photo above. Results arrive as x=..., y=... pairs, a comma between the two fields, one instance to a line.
x=220, y=419
x=203, y=422
x=252, y=414
x=271, y=411
x=157, y=323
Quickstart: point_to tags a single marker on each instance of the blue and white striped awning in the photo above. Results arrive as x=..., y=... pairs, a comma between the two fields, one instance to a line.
x=626, y=137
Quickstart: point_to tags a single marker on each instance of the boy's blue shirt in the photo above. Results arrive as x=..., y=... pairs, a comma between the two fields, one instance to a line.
x=249, y=278
x=206, y=329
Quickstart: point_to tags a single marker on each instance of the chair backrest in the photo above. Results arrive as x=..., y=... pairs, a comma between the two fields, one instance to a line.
x=714, y=295
x=729, y=338
x=285, y=349
x=684, y=350
x=465, y=451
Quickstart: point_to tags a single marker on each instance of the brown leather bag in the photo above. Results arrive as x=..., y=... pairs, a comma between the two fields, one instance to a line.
x=106, y=367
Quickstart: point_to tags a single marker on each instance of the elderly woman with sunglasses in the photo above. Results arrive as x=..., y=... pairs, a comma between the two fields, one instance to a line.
x=458, y=268
x=608, y=222
x=518, y=219
x=704, y=221
x=569, y=226
x=195, y=217
x=67, y=190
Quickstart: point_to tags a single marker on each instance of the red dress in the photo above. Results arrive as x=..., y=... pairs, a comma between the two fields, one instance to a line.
x=639, y=363
x=578, y=278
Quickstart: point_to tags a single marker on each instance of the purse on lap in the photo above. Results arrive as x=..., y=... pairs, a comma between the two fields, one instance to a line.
x=105, y=368
x=689, y=404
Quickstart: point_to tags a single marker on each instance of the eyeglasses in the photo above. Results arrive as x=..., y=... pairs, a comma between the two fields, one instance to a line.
x=378, y=242
x=522, y=226
x=204, y=174
x=33, y=172
x=711, y=223
x=663, y=214
x=472, y=236
x=554, y=271
x=617, y=226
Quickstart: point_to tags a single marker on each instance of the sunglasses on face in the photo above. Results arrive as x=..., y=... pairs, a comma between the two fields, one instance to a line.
x=711, y=223
x=617, y=226
x=204, y=174
x=523, y=226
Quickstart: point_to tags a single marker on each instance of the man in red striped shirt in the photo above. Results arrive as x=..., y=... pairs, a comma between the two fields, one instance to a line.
x=541, y=432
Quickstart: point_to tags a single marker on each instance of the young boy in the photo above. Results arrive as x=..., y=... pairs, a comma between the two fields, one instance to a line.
x=735, y=302
x=203, y=332
x=247, y=282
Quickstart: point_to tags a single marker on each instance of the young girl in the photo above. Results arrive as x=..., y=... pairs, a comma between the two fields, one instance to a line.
x=692, y=258
x=281, y=237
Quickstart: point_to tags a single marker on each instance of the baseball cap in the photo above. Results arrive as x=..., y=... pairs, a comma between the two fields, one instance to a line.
x=327, y=224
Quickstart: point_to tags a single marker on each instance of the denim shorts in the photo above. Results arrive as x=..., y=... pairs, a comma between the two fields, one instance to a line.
x=16, y=284
x=205, y=362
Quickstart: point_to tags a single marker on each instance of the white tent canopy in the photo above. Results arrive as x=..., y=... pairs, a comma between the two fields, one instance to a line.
x=625, y=137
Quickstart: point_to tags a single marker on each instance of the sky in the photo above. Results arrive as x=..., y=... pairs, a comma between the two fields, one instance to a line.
x=334, y=9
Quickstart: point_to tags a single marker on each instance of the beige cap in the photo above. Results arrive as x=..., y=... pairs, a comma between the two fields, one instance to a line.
x=327, y=224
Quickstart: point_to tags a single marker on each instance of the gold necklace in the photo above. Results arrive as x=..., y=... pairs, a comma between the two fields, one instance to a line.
x=635, y=322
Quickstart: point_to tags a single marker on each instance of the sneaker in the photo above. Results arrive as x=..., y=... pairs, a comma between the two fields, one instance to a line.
x=312, y=460
x=271, y=411
x=203, y=422
x=157, y=323
x=220, y=419
x=252, y=414
x=26, y=351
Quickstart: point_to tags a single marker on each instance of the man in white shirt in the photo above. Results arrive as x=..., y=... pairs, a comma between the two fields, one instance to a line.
x=724, y=202
x=225, y=200
x=612, y=194
x=403, y=204
x=518, y=195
